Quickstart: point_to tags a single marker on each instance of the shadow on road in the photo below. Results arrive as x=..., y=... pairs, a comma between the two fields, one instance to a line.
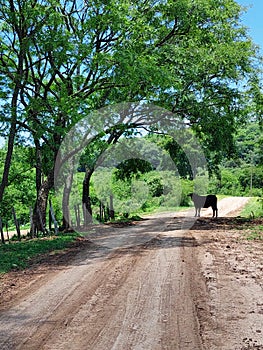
x=105, y=241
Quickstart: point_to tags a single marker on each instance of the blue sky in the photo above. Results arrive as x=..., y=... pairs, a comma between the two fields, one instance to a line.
x=253, y=20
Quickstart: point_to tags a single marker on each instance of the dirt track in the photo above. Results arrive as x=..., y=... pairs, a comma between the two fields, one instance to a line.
x=158, y=284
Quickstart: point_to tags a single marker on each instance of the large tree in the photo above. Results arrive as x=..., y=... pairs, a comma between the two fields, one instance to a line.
x=61, y=59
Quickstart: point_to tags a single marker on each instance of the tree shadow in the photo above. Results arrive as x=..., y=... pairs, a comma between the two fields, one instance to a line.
x=136, y=238
x=222, y=223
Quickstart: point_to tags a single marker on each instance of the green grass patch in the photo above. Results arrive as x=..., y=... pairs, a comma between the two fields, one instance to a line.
x=17, y=255
x=163, y=209
x=253, y=209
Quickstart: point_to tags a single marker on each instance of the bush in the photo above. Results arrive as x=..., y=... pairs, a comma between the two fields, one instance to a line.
x=237, y=181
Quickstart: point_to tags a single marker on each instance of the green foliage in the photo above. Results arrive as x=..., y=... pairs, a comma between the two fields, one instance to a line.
x=155, y=183
x=151, y=190
x=102, y=180
x=251, y=180
x=228, y=183
x=132, y=168
x=90, y=156
x=130, y=196
x=21, y=192
x=245, y=181
x=249, y=145
x=176, y=153
x=242, y=174
x=253, y=209
x=187, y=187
x=17, y=255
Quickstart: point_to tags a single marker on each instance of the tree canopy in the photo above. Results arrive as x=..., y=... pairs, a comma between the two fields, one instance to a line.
x=62, y=59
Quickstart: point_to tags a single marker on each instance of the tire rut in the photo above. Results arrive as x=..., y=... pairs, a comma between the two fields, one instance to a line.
x=51, y=318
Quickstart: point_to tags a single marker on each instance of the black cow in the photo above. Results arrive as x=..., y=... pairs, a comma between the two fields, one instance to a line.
x=204, y=202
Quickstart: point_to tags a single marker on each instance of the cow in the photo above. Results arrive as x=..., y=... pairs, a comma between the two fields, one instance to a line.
x=204, y=202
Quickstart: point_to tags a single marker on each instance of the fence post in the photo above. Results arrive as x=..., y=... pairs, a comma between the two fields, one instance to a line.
x=32, y=226
x=111, y=212
x=77, y=215
x=7, y=233
x=101, y=211
x=17, y=224
x=1, y=230
x=43, y=229
x=52, y=214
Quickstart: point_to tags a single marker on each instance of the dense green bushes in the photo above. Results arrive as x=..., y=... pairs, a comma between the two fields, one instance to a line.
x=246, y=181
x=142, y=192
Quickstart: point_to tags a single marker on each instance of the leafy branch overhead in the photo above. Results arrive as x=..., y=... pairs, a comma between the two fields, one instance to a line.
x=61, y=60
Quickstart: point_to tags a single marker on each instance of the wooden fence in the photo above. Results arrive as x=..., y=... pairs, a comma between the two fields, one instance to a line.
x=33, y=232
x=106, y=212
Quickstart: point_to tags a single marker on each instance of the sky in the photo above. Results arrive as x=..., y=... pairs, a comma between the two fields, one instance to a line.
x=253, y=20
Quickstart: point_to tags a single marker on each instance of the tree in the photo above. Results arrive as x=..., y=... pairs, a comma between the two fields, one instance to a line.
x=62, y=59
x=132, y=167
x=12, y=76
x=90, y=159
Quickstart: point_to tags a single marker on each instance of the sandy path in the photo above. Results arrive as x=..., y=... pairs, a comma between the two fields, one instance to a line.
x=229, y=283
x=133, y=297
x=137, y=288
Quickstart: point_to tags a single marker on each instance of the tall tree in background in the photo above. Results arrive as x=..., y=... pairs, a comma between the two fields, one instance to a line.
x=61, y=59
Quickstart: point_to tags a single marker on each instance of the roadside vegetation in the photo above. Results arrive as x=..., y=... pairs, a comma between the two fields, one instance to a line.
x=18, y=255
x=254, y=208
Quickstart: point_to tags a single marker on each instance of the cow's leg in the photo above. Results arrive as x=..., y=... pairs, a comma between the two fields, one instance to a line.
x=215, y=212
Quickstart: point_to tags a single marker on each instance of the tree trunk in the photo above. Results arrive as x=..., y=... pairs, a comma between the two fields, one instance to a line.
x=87, y=210
x=66, y=225
x=19, y=74
x=40, y=209
x=10, y=147
x=38, y=165
x=8, y=159
x=2, y=232
x=66, y=221
x=44, y=186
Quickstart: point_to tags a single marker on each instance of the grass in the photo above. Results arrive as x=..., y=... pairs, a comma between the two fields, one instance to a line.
x=253, y=209
x=163, y=209
x=18, y=255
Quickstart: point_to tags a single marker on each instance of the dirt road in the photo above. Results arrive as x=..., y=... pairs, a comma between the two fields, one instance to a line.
x=158, y=284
